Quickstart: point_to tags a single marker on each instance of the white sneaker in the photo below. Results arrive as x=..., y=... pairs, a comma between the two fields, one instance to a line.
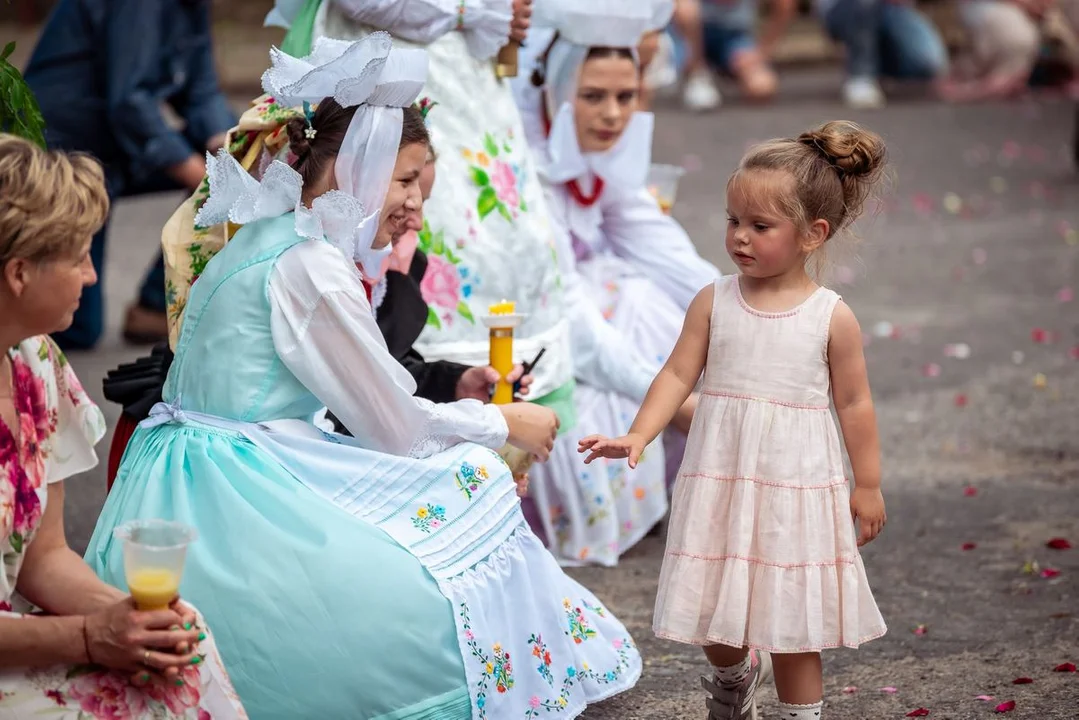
x=863, y=94
x=739, y=703
x=662, y=73
x=700, y=92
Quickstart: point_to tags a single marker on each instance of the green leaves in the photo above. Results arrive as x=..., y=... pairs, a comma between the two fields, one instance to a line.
x=479, y=177
x=19, y=111
x=466, y=312
x=490, y=145
x=487, y=202
x=432, y=319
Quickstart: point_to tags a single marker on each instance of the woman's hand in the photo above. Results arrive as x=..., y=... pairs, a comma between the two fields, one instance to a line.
x=867, y=509
x=121, y=637
x=476, y=382
x=628, y=446
x=522, y=20
x=532, y=428
x=522, y=484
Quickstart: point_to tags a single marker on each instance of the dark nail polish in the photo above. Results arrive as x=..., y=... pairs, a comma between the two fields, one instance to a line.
x=202, y=636
x=196, y=660
x=145, y=677
x=179, y=683
x=187, y=626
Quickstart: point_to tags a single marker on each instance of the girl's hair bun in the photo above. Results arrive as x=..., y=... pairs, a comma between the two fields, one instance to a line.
x=851, y=149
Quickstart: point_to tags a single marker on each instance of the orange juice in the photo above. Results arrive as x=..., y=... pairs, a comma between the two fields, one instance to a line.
x=153, y=588
x=665, y=205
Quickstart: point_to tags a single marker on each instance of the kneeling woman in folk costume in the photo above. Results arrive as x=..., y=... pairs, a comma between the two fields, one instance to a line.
x=619, y=253
x=487, y=230
x=386, y=575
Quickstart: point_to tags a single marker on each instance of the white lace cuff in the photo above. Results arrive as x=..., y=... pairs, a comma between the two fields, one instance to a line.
x=486, y=25
x=449, y=424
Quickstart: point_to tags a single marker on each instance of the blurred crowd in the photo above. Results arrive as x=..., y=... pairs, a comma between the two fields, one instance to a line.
x=1009, y=45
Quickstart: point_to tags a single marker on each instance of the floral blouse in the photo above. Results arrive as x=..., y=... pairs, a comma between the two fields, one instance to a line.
x=58, y=428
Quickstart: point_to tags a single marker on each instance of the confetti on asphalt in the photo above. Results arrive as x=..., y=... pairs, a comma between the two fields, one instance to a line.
x=850, y=690
x=969, y=546
x=890, y=690
x=1040, y=381
x=1065, y=295
x=1005, y=707
x=1050, y=573
x=960, y=351
x=920, y=712
x=1065, y=667
x=921, y=629
x=970, y=491
x=1059, y=543
x=1022, y=681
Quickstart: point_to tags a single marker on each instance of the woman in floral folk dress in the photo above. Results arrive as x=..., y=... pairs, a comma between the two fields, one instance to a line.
x=91, y=654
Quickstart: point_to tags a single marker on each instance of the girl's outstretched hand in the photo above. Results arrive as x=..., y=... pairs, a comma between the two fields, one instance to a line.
x=628, y=446
x=867, y=509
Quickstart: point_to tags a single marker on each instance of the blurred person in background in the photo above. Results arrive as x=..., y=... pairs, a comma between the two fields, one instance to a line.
x=882, y=39
x=720, y=35
x=102, y=72
x=1006, y=40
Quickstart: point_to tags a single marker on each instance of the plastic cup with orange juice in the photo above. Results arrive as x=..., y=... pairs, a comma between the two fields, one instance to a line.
x=154, y=555
x=663, y=184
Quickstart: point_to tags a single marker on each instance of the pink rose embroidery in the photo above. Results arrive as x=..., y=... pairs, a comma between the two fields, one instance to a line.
x=505, y=184
x=107, y=696
x=440, y=285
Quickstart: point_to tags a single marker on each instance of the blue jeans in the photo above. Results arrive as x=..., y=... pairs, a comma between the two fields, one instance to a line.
x=886, y=39
x=89, y=321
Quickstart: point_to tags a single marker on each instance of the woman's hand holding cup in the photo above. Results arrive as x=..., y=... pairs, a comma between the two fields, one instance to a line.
x=121, y=637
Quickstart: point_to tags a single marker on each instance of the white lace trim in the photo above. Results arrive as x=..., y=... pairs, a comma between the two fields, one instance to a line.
x=237, y=197
x=378, y=295
x=448, y=423
x=367, y=73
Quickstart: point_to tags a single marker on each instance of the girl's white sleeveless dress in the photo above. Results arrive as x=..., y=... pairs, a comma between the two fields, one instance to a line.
x=761, y=550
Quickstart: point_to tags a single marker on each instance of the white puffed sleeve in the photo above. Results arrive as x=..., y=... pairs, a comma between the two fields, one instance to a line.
x=326, y=335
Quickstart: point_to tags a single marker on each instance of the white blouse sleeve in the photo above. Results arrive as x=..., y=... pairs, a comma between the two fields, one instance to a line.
x=602, y=356
x=486, y=23
x=656, y=245
x=324, y=332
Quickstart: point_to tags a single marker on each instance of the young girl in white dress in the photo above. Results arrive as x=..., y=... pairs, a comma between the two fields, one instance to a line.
x=761, y=552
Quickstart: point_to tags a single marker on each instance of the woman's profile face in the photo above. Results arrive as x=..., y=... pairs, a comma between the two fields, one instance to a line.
x=404, y=198
x=45, y=293
x=607, y=97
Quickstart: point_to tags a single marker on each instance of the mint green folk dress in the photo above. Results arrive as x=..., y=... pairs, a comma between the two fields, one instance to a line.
x=342, y=582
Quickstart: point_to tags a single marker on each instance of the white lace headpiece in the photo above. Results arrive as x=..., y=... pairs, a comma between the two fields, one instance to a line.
x=582, y=26
x=368, y=74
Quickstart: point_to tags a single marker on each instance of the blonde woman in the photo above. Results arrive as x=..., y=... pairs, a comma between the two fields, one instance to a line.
x=93, y=655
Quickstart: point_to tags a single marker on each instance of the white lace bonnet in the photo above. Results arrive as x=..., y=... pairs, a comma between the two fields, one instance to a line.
x=368, y=74
x=580, y=27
